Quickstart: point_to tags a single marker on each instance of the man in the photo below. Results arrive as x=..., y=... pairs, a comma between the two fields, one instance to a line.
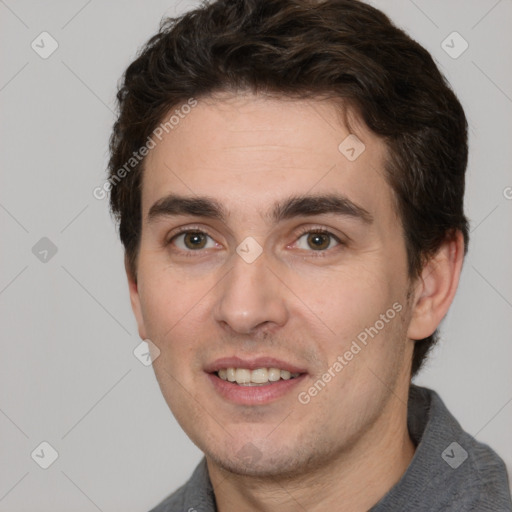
x=289, y=177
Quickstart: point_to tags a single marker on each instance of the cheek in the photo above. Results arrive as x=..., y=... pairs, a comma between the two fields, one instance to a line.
x=176, y=310
x=365, y=312
x=355, y=300
x=170, y=306
x=166, y=301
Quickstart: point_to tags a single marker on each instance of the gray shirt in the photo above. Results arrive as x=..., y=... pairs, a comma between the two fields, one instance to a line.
x=450, y=470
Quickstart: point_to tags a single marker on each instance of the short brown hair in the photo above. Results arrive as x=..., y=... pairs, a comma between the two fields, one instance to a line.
x=345, y=49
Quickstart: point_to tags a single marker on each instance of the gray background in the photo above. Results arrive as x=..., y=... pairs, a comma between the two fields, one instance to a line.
x=67, y=372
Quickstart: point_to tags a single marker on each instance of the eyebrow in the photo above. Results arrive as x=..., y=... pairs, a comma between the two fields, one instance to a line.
x=295, y=206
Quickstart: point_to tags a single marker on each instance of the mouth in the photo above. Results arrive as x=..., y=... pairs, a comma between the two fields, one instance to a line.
x=253, y=382
x=257, y=377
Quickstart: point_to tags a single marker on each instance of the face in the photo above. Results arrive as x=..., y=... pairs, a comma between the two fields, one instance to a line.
x=265, y=248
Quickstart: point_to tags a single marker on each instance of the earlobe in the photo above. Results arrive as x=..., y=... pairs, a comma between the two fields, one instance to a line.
x=135, y=299
x=436, y=288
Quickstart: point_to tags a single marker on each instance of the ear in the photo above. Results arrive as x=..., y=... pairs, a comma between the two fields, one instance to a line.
x=436, y=287
x=135, y=299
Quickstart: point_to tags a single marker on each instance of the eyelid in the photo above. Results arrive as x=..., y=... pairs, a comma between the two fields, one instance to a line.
x=314, y=229
x=198, y=253
x=320, y=230
x=186, y=229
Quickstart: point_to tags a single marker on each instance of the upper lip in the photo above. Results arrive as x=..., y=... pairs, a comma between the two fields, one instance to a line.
x=252, y=364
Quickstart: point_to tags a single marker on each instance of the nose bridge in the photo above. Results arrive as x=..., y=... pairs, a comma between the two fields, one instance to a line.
x=250, y=295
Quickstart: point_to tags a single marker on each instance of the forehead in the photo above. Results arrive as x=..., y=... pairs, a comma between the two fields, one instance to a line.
x=250, y=151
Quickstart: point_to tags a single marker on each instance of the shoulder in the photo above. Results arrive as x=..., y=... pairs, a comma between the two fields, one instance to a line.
x=467, y=473
x=451, y=471
x=196, y=495
x=486, y=478
x=173, y=502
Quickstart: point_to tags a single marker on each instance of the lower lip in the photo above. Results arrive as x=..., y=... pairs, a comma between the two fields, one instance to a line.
x=254, y=395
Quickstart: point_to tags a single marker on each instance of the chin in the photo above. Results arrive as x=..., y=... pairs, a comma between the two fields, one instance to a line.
x=262, y=468
x=269, y=462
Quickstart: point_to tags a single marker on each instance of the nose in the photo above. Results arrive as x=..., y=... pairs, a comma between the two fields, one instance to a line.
x=251, y=298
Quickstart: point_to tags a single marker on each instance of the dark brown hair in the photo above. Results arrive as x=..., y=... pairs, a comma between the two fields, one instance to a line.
x=344, y=49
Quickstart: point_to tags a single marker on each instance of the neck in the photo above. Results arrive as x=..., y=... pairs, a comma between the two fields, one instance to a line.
x=357, y=478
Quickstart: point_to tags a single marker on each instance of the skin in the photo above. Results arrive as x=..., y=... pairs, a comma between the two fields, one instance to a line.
x=294, y=302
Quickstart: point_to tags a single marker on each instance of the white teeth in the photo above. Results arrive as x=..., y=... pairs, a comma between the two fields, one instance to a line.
x=243, y=376
x=274, y=374
x=259, y=376
x=246, y=377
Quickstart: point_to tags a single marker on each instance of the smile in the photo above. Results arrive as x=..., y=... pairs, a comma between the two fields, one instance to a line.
x=257, y=377
x=251, y=393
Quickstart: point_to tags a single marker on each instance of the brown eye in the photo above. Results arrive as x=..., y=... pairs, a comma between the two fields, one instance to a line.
x=193, y=241
x=317, y=241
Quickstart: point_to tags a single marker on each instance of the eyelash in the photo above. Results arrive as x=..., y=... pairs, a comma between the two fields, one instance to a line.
x=302, y=231
x=322, y=231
